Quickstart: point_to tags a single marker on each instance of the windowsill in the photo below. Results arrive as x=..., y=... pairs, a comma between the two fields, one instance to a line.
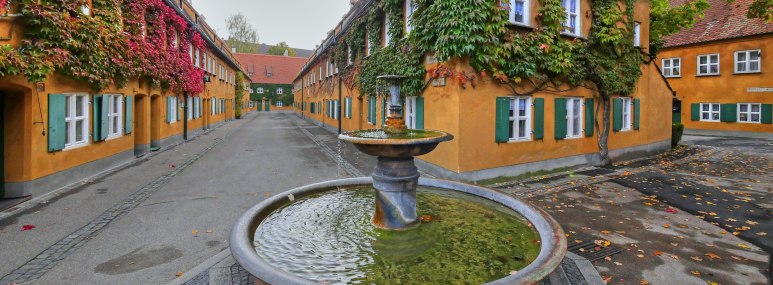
x=748, y=122
x=672, y=76
x=707, y=75
x=112, y=137
x=519, y=24
x=747, y=72
x=573, y=35
x=76, y=146
x=706, y=121
x=625, y=130
x=519, y=140
x=577, y=137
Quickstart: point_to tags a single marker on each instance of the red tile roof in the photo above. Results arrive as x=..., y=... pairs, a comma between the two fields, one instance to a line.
x=722, y=21
x=283, y=68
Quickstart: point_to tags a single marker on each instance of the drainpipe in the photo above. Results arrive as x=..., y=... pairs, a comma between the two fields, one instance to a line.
x=339, y=104
x=185, y=120
x=303, y=107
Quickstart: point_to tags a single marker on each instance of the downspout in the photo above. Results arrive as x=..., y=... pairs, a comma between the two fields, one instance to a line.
x=185, y=120
x=339, y=104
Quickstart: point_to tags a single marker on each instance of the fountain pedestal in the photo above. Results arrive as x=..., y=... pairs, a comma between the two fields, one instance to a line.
x=395, y=180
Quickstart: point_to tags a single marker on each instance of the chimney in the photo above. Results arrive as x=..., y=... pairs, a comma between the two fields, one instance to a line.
x=233, y=50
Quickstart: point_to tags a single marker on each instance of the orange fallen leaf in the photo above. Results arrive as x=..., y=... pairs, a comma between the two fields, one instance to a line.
x=666, y=225
x=657, y=253
x=179, y=273
x=696, y=258
x=606, y=279
x=195, y=232
x=644, y=282
x=696, y=272
x=712, y=256
x=743, y=246
x=675, y=257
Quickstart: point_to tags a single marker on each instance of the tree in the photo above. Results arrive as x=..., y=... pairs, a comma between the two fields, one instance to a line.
x=241, y=35
x=762, y=9
x=280, y=48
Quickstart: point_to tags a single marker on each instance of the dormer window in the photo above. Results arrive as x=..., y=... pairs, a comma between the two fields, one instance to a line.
x=269, y=71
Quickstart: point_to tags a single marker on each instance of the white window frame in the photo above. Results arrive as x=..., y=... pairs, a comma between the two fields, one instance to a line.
x=387, y=37
x=515, y=118
x=212, y=102
x=259, y=90
x=668, y=70
x=749, y=113
x=114, y=117
x=409, y=9
x=347, y=103
x=173, y=111
x=708, y=64
x=336, y=113
x=189, y=108
x=279, y=91
x=526, y=10
x=710, y=112
x=410, y=112
x=574, y=116
x=367, y=44
x=71, y=120
x=349, y=56
x=627, y=118
x=747, y=62
x=566, y=4
x=198, y=58
x=636, y=34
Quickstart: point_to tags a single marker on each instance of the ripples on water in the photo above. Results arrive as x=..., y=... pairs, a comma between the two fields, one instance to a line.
x=329, y=237
x=380, y=134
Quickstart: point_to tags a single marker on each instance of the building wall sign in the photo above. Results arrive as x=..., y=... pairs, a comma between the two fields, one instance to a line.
x=759, y=89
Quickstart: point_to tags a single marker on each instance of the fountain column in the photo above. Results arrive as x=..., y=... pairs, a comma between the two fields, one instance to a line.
x=395, y=180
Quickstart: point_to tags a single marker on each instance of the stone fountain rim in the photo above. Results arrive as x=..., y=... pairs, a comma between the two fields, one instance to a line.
x=552, y=251
x=442, y=137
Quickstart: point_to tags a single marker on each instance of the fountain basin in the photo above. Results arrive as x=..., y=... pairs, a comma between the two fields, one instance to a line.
x=412, y=143
x=552, y=245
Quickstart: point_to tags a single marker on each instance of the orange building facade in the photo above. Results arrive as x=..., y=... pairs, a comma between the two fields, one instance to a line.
x=544, y=131
x=722, y=73
x=59, y=131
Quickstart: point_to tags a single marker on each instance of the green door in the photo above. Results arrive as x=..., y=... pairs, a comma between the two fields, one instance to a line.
x=268, y=106
x=677, y=112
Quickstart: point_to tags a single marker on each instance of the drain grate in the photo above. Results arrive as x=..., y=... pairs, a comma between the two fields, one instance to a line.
x=587, y=248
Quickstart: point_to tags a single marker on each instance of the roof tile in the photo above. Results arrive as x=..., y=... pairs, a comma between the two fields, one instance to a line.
x=283, y=68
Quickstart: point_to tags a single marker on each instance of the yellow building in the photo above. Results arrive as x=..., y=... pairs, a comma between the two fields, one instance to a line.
x=721, y=70
x=496, y=133
x=60, y=130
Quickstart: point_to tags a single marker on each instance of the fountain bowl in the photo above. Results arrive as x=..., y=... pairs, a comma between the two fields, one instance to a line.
x=553, y=245
x=377, y=143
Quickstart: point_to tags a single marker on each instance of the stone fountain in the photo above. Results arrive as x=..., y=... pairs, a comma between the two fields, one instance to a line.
x=293, y=225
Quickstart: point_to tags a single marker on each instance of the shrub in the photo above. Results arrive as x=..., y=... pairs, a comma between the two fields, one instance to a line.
x=676, y=133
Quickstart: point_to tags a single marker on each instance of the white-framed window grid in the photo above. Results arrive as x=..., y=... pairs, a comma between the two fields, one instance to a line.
x=626, y=114
x=259, y=90
x=708, y=64
x=173, y=110
x=520, y=119
x=572, y=21
x=279, y=91
x=574, y=117
x=749, y=112
x=636, y=34
x=709, y=112
x=410, y=112
x=189, y=108
x=114, y=115
x=76, y=120
x=747, y=61
x=349, y=60
x=672, y=67
x=409, y=9
x=336, y=113
x=387, y=37
x=519, y=12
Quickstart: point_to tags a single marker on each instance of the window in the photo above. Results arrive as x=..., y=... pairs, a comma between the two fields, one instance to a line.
x=279, y=104
x=710, y=112
x=749, y=113
x=519, y=12
x=708, y=64
x=198, y=58
x=520, y=119
x=259, y=90
x=574, y=117
x=387, y=38
x=172, y=109
x=410, y=112
x=86, y=10
x=212, y=105
x=114, y=115
x=367, y=44
x=349, y=56
x=279, y=91
x=626, y=114
x=672, y=67
x=747, y=61
x=572, y=21
x=76, y=120
x=636, y=34
x=176, y=40
x=189, y=107
x=408, y=14
x=336, y=114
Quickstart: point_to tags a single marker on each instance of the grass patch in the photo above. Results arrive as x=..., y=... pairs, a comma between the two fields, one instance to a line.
x=503, y=179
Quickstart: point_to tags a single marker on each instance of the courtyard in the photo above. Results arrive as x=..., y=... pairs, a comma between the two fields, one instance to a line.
x=699, y=214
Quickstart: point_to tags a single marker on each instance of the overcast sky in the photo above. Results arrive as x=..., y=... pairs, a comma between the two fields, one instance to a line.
x=301, y=23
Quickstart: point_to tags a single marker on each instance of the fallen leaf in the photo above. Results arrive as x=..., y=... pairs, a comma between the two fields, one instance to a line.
x=618, y=263
x=195, y=233
x=209, y=231
x=762, y=234
x=644, y=282
x=640, y=255
x=666, y=225
x=743, y=246
x=675, y=257
x=696, y=272
x=712, y=256
x=606, y=232
x=657, y=253
x=671, y=210
x=179, y=273
x=606, y=279
x=27, y=227
x=696, y=258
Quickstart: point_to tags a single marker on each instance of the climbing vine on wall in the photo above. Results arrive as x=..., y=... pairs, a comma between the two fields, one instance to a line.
x=117, y=41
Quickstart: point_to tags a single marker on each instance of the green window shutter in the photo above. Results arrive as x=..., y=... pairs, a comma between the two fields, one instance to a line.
x=179, y=109
x=728, y=113
x=268, y=106
x=767, y=114
x=539, y=118
x=384, y=111
x=372, y=110
x=636, y=111
x=502, y=120
x=617, y=116
x=96, y=118
x=260, y=106
x=128, y=101
x=103, y=119
x=560, y=118
x=57, y=134
x=349, y=107
x=695, y=112
x=419, y=113
x=590, y=120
